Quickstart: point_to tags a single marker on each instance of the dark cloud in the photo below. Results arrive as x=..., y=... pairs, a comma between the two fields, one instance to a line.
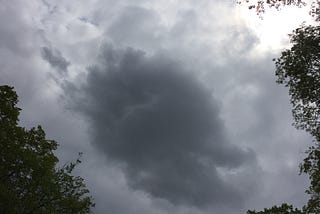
x=162, y=125
x=55, y=59
x=210, y=38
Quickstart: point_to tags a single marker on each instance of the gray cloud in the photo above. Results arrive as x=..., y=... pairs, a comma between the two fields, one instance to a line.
x=136, y=24
x=55, y=59
x=211, y=40
x=162, y=125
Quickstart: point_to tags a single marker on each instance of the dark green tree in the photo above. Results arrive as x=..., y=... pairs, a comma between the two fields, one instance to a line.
x=283, y=209
x=298, y=68
x=30, y=181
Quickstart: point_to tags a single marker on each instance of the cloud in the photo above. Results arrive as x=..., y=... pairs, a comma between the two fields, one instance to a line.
x=162, y=125
x=211, y=40
x=55, y=59
x=136, y=25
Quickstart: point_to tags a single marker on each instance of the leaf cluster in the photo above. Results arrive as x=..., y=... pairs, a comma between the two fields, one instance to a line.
x=30, y=182
x=298, y=68
x=260, y=6
x=283, y=209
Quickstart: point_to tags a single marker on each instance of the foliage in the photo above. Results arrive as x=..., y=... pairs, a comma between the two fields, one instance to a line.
x=260, y=5
x=283, y=209
x=29, y=179
x=298, y=69
x=311, y=166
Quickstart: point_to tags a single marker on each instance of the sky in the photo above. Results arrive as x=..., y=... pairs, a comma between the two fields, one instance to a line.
x=173, y=103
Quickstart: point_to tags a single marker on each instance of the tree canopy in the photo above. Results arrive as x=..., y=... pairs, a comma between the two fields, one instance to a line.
x=298, y=68
x=30, y=181
x=283, y=209
x=260, y=5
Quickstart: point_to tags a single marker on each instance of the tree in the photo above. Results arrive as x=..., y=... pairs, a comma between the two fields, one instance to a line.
x=298, y=68
x=30, y=181
x=260, y=5
x=311, y=166
x=283, y=209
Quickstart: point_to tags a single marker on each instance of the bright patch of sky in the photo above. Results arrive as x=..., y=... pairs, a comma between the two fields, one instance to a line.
x=273, y=27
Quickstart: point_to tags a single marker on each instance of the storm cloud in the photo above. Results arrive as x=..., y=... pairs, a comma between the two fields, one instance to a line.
x=162, y=141
x=153, y=117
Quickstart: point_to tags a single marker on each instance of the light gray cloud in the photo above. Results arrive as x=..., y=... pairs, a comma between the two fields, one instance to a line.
x=157, y=120
x=136, y=25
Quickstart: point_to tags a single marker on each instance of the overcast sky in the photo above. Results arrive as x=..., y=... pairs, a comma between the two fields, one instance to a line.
x=173, y=103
